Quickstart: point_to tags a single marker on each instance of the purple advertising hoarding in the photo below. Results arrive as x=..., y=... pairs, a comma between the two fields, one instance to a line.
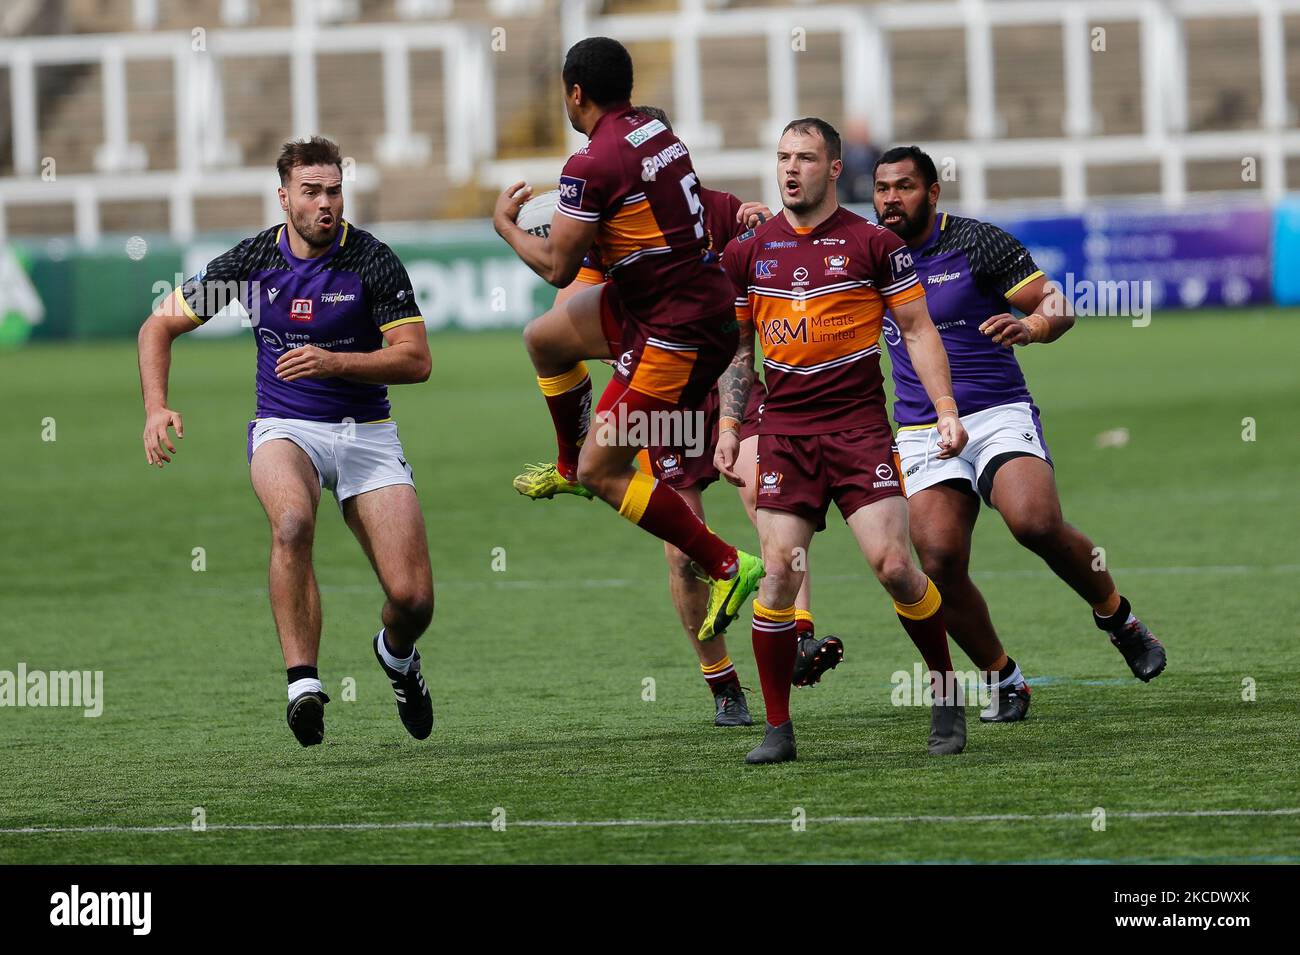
x=1203, y=255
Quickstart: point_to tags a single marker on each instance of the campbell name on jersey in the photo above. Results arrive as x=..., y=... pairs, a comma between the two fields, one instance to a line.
x=635, y=179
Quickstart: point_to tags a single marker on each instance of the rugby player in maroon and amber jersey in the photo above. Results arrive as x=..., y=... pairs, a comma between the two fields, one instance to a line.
x=690, y=470
x=815, y=282
x=631, y=191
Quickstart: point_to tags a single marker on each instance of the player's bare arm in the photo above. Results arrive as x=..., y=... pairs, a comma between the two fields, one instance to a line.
x=733, y=390
x=167, y=322
x=931, y=363
x=404, y=360
x=557, y=258
x=1047, y=313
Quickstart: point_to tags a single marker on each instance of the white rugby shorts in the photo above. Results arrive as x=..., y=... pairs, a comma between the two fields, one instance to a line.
x=349, y=458
x=1004, y=429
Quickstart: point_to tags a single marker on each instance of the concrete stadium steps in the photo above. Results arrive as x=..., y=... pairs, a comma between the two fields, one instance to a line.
x=929, y=71
x=1117, y=80
x=1223, y=88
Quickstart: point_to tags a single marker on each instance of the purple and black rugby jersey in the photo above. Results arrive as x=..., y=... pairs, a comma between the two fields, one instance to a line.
x=343, y=300
x=968, y=269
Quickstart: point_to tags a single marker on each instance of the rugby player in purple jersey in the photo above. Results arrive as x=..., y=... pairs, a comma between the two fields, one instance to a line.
x=973, y=272
x=335, y=322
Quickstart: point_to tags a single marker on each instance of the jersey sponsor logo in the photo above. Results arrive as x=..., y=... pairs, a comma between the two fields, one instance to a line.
x=271, y=340
x=300, y=310
x=892, y=335
x=940, y=277
x=779, y=331
x=837, y=264
x=745, y=236
x=828, y=241
x=648, y=131
x=271, y=293
x=781, y=245
x=571, y=189
x=764, y=268
x=624, y=362
x=769, y=482
x=330, y=298
x=900, y=262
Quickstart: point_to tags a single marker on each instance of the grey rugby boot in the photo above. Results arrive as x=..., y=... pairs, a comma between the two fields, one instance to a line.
x=777, y=745
x=732, y=707
x=947, y=729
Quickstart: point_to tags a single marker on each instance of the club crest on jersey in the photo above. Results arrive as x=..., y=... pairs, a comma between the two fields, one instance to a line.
x=571, y=189
x=300, y=310
x=764, y=268
x=900, y=262
x=624, y=362
x=769, y=482
x=837, y=264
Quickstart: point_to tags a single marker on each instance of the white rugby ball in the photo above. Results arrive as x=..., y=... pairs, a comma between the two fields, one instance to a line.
x=535, y=214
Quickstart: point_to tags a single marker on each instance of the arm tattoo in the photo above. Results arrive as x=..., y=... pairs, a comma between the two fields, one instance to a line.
x=735, y=383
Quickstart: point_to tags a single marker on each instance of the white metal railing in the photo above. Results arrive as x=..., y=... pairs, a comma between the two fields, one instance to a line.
x=869, y=88
x=205, y=156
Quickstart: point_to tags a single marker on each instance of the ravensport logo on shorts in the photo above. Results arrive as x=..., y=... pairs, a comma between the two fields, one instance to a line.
x=886, y=475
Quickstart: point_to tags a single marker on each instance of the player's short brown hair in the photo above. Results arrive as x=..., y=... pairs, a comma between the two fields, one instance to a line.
x=654, y=112
x=830, y=136
x=317, y=151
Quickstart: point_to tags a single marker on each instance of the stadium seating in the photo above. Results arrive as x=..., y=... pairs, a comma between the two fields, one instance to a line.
x=520, y=128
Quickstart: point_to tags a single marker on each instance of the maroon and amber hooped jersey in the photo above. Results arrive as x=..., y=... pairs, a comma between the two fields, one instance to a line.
x=635, y=178
x=720, y=227
x=816, y=298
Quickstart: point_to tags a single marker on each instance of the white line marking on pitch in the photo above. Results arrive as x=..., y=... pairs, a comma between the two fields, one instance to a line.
x=592, y=582
x=649, y=823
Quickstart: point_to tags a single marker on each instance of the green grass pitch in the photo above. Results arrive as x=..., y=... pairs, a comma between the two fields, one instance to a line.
x=537, y=671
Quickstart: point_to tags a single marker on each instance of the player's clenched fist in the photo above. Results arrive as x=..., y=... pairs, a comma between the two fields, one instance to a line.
x=1006, y=329
x=952, y=436
x=156, y=440
x=306, y=362
x=752, y=214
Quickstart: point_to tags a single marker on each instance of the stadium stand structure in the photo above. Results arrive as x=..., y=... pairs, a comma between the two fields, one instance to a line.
x=163, y=116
